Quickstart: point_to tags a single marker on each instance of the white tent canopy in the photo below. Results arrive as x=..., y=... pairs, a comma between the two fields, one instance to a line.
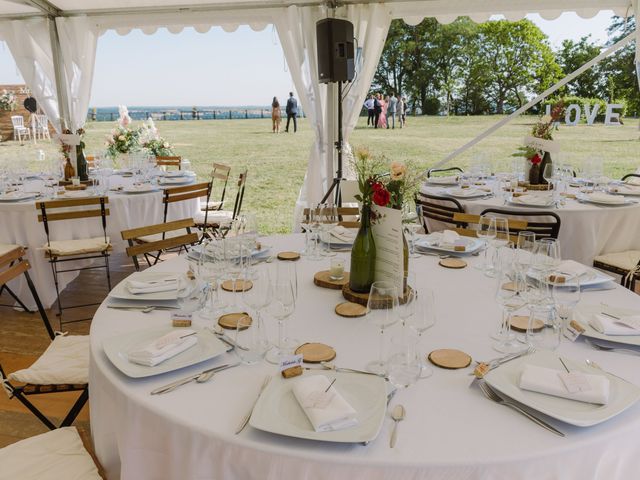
x=54, y=44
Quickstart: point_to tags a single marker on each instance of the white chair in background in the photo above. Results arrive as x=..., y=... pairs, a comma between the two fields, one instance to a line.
x=40, y=127
x=19, y=130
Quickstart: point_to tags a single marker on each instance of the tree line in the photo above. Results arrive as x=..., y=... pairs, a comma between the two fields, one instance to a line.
x=465, y=68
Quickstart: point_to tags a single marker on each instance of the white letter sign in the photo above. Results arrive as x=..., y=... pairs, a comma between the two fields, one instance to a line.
x=610, y=115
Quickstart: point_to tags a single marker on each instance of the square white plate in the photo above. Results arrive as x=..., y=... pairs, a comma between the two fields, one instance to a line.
x=589, y=278
x=278, y=411
x=121, y=290
x=582, y=314
x=116, y=348
x=131, y=190
x=17, y=197
x=430, y=242
x=506, y=378
x=581, y=197
x=443, y=180
x=546, y=204
x=466, y=192
x=175, y=180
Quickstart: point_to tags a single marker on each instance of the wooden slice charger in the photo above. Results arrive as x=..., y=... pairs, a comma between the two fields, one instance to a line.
x=290, y=256
x=316, y=352
x=350, y=310
x=449, y=358
x=452, y=263
x=323, y=279
x=520, y=323
x=241, y=285
x=230, y=320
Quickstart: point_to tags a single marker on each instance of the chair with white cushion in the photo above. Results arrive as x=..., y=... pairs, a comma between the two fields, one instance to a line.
x=218, y=223
x=59, y=252
x=4, y=249
x=626, y=264
x=55, y=455
x=63, y=367
x=219, y=176
x=19, y=130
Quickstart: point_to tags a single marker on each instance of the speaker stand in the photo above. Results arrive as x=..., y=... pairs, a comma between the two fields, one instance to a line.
x=335, y=184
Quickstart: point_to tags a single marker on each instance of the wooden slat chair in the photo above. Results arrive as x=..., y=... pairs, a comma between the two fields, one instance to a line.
x=219, y=176
x=470, y=221
x=6, y=248
x=439, y=209
x=543, y=223
x=438, y=171
x=168, y=161
x=166, y=229
x=12, y=265
x=171, y=196
x=218, y=223
x=345, y=214
x=62, y=251
x=632, y=178
x=626, y=264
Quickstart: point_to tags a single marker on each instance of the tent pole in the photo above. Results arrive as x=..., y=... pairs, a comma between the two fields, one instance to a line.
x=63, y=104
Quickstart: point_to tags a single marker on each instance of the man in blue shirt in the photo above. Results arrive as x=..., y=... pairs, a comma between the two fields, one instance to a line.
x=292, y=112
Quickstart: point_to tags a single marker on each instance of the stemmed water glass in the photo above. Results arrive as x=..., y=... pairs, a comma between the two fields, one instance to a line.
x=210, y=269
x=314, y=231
x=510, y=295
x=257, y=298
x=524, y=250
x=281, y=307
x=423, y=318
x=330, y=220
x=565, y=294
x=404, y=366
x=486, y=232
x=382, y=312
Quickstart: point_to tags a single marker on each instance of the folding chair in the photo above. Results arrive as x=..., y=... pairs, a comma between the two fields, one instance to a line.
x=173, y=195
x=626, y=264
x=439, y=209
x=61, y=251
x=431, y=171
x=345, y=214
x=164, y=230
x=535, y=221
x=469, y=221
x=221, y=173
x=40, y=379
x=168, y=161
x=6, y=248
x=219, y=222
x=633, y=177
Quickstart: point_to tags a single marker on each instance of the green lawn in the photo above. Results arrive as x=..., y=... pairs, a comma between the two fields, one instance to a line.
x=277, y=163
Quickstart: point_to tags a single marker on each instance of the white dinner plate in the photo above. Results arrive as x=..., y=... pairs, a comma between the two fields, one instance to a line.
x=444, y=181
x=548, y=202
x=466, y=192
x=278, y=411
x=117, y=349
x=131, y=190
x=630, y=190
x=614, y=202
x=265, y=251
x=584, y=312
x=17, y=197
x=506, y=379
x=121, y=291
x=431, y=242
x=590, y=278
x=343, y=241
x=175, y=181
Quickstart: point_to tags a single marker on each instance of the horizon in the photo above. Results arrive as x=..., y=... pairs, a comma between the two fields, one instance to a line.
x=247, y=67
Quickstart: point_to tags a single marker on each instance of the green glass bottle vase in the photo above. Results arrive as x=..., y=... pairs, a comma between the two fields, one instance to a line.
x=363, y=255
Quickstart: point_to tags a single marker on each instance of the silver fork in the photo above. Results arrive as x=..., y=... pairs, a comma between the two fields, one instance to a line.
x=604, y=348
x=492, y=395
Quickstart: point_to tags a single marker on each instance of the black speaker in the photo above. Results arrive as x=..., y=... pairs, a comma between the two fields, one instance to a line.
x=335, y=50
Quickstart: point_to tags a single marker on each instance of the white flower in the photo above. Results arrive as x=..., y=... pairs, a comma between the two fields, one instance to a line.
x=121, y=138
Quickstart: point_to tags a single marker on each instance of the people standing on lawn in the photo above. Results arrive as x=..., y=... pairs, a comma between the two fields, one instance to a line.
x=392, y=103
x=292, y=112
x=382, y=121
x=400, y=110
x=276, y=117
x=377, y=110
x=369, y=104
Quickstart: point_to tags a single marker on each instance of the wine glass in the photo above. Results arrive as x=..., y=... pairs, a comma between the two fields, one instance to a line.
x=510, y=295
x=546, y=256
x=565, y=292
x=382, y=312
x=423, y=319
x=486, y=232
x=236, y=257
x=548, y=174
x=525, y=245
x=260, y=294
x=210, y=268
x=281, y=307
x=314, y=229
x=404, y=365
x=330, y=220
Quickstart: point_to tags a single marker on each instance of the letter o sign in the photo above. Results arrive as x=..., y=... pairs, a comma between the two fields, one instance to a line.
x=574, y=111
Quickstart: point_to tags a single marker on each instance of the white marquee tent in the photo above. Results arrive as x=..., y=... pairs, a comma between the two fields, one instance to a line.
x=54, y=45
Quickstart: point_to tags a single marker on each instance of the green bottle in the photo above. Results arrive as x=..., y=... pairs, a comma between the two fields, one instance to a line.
x=363, y=255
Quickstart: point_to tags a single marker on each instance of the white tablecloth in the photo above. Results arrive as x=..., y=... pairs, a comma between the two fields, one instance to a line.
x=586, y=230
x=451, y=431
x=19, y=225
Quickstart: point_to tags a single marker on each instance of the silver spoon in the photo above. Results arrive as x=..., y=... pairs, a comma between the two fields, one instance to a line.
x=397, y=414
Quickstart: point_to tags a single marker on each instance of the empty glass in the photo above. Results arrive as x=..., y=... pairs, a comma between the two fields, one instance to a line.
x=281, y=307
x=545, y=328
x=525, y=246
x=404, y=366
x=546, y=256
x=486, y=232
x=565, y=291
x=510, y=295
x=382, y=312
x=251, y=340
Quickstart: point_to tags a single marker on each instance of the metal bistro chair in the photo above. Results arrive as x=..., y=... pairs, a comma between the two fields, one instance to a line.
x=169, y=161
x=438, y=208
x=218, y=223
x=471, y=220
x=632, y=176
x=61, y=251
x=69, y=354
x=347, y=215
x=534, y=221
x=431, y=171
x=626, y=264
x=6, y=248
x=220, y=173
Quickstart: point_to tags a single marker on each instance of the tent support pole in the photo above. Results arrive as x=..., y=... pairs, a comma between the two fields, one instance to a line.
x=59, y=74
x=614, y=48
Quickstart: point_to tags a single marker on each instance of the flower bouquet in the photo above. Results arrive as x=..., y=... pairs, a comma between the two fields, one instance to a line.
x=152, y=142
x=8, y=101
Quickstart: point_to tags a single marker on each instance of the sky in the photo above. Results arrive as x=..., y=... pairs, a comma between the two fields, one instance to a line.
x=219, y=68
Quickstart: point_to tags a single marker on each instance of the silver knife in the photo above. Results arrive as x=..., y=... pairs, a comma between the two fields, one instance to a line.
x=247, y=417
x=173, y=385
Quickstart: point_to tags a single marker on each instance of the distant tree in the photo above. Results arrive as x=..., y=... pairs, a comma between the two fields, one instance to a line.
x=619, y=69
x=392, y=70
x=571, y=56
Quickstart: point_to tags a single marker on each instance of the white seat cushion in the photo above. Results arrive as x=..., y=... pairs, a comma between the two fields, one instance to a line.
x=7, y=247
x=624, y=260
x=76, y=247
x=66, y=360
x=212, y=205
x=156, y=237
x=221, y=217
x=58, y=454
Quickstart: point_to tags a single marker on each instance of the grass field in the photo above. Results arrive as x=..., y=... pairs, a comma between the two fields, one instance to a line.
x=277, y=163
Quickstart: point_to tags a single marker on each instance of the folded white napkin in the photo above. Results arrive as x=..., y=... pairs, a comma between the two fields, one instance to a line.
x=326, y=411
x=449, y=237
x=153, y=286
x=343, y=234
x=164, y=348
x=627, y=325
x=605, y=198
x=548, y=381
x=572, y=268
x=528, y=199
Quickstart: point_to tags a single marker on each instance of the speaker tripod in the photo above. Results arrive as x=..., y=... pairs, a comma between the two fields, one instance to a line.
x=335, y=184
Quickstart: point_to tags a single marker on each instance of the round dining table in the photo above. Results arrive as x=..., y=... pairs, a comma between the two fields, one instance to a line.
x=20, y=226
x=450, y=431
x=586, y=229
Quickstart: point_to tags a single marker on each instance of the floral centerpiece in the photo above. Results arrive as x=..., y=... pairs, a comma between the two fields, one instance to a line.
x=8, y=101
x=151, y=141
x=538, y=146
x=122, y=139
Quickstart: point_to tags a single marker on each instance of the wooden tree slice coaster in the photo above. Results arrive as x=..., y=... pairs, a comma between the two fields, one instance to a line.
x=520, y=323
x=449, y=358
x=452, y=263
x=363, y=298
x=290, y=256
x=350, y=310
x=230, y=320
x=323, y=279
x=315, y=352
x=241, y=285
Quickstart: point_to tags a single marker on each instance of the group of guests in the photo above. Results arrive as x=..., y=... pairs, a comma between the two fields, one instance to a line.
x=382, y=112
x=291, y=110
